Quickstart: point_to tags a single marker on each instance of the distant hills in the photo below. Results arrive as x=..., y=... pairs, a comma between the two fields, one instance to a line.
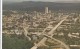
x=39, y=6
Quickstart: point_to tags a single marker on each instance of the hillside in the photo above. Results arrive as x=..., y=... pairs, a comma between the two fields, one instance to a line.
x=32, y=5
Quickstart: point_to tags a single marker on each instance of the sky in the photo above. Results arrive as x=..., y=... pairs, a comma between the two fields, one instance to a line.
x=43, y=0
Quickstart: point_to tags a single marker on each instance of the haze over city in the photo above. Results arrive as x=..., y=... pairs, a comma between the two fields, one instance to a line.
x=72, y=1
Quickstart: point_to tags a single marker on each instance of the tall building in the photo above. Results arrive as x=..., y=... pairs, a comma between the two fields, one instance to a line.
x=46, y=9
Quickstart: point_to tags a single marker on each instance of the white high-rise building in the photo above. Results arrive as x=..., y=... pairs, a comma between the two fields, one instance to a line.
x=46, y=9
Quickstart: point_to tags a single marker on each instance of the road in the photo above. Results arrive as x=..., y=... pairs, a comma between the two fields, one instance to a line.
x=51, y=33
x=62, y=43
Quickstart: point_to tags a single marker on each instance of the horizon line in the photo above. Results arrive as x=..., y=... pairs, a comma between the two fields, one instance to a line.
x=45, y=1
